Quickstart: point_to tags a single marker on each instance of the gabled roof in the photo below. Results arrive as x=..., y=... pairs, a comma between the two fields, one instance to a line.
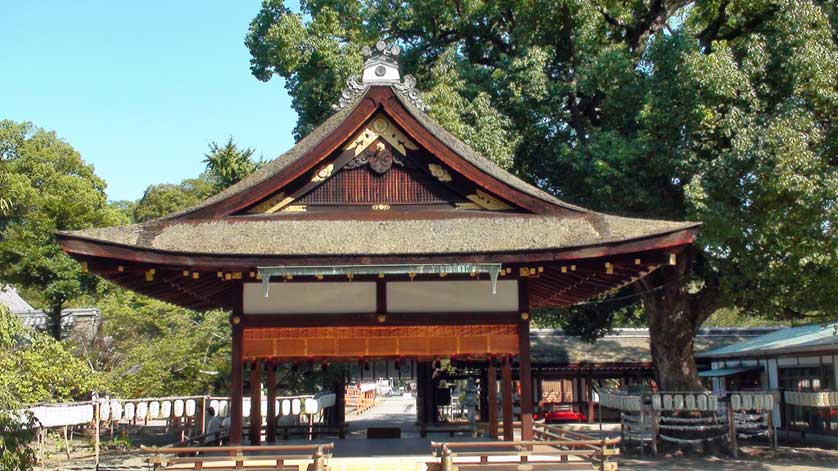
x=800, y=339
x=478, y=212
x=216, y=227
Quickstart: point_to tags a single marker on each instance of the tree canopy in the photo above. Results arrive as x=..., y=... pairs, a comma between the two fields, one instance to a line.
x=720, y=111
x=53, y=189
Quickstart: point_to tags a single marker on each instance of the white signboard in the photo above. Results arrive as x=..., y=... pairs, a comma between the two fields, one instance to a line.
x=451, y=296
x=310, y=298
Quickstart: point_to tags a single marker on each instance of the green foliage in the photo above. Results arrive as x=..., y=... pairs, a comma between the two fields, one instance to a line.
x=35, y=367
x=155, y=349
x=728, y=317
x=592, y=320
x=227, y=164
x=53, y=190
x=716, y=111
x=15, y=437
x=166, y=199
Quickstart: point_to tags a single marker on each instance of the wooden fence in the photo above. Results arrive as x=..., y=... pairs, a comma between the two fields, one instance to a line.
x=689, y=418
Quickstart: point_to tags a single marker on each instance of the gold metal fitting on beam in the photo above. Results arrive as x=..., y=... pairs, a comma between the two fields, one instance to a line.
x=185, y=273
x=381, y=318
x=195, y=275
x=235, y=320
x=120, y=268
x=525, y=316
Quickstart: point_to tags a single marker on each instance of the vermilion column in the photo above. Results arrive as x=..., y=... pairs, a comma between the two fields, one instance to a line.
x=256, y=403
x=237, y=364
x=492, y=397
x=524, y=371
x=236, y=381
x=506, y=392
x=270, y=430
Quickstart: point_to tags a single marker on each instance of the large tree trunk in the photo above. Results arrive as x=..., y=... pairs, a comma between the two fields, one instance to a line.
x=675, y=315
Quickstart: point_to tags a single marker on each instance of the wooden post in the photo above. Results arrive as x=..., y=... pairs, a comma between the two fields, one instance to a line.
x=237, y=365
x=256, y=403
x=340, y=405
x=484, y=398
x=270, y=431
x=653, y=415
x=492, y=398
x=731, y=422
x=200, y=416
x=589, y=393
x=97, y=416
x=524, y=369
x=66, y=442
x=506, y=392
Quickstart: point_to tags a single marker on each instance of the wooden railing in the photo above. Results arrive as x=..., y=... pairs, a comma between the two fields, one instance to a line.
x=605, y=450
x=233, y=458
x=532, y=455
x=360, y=401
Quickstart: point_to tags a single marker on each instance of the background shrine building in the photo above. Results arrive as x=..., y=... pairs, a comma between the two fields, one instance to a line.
x=381, y=236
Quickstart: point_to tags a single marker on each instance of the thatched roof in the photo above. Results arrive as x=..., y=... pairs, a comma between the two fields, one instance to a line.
x=313, y=236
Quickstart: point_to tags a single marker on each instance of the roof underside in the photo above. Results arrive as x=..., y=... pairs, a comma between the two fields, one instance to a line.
x=464, y=209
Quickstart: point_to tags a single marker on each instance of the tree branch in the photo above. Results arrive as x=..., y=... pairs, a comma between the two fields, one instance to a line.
x=715, y=29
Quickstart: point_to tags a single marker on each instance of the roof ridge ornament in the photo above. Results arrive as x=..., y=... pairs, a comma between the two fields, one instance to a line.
x=381, y=67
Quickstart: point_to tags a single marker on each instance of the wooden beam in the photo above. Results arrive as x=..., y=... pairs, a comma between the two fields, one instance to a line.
x=506, y=392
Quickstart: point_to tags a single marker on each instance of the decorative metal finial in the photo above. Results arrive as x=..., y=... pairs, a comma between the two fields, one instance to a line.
x=381, y=67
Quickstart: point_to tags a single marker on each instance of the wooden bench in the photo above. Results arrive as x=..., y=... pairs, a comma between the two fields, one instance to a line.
x=531, y=455
x=235, y=458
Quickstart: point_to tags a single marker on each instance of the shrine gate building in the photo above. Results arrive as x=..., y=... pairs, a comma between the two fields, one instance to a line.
x=380, y=235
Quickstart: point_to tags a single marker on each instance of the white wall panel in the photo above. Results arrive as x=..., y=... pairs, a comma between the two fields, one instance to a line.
x=310, y=298
x=451, y=296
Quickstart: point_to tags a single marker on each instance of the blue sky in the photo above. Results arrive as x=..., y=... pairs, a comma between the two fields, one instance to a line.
x=140, y=88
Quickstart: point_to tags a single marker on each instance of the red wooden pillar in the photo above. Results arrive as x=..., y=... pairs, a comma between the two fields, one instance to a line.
x=340, y=405
x=524, y=370
x=506, y=392
x=492, y=398
x=236, y=367
x=270, y=430
x=256, y=403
